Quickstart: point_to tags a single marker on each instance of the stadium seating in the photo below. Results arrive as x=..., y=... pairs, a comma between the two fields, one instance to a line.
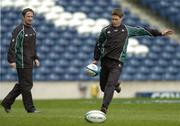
x=169, y=9
x=66, y=36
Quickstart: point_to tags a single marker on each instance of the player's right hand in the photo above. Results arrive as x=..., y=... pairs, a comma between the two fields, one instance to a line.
x=95, y=62
x=13, y=65
x=167, y=32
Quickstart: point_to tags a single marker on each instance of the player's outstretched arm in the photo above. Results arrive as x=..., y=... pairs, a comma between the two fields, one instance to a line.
x=140, y=31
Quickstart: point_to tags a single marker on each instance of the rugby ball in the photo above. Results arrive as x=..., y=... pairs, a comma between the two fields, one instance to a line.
x=95, y=116
x=92, y=70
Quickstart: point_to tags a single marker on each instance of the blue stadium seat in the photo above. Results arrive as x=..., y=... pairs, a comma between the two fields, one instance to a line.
x=177, y=77
x=62, y=63
x=76, y=3
x=144, y=70
x=85, y=9
x=44, y=48
x=62, y=2
x=53, y=77
x=155, y=77
x=168, y=76
x=9, y=77
x=71, y=9
x=48, y=42
x=177, y=55
x=170, y=49
x=155, y=56
x=68, y=77
x=59, y=70
x=98, y=9
x=76, y=42
x=94, y=15
x=176, y=63
x=4, y=63
x=163, y=63
x=156, y=49
x=68, y=56
x=72, y=70
x=53, y=56
x=82, y=76
x=166, y=55
x=2, y=71
x=130, y=70
x=48, y=63
x=77, y=63
x=62, y=42
x=39, y=77
x=44, y=29
x=172, y=70
x=140, y=77
x=72, y=49
x=126, y=77
x=149, y=63
x=58, y=49
x=134, y=63
x=43, y=70
x=53, y=36
x=158, y=70
x=88, y=3
x=81, y=56
x=86, y=49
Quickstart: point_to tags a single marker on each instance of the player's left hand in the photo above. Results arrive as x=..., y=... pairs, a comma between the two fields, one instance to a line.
x=167, y=32
x=36, y=61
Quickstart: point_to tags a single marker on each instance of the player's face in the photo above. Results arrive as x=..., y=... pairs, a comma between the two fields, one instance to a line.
x=116, y=20
x=28, y=18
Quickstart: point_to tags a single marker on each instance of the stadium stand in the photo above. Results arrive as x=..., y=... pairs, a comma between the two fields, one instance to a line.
x=168, y=9
x=67, y=31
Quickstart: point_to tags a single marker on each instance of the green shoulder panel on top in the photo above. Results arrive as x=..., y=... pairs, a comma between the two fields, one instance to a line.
x=102, y=40
x=132, y=31
x=19, y=49
x=123, y=54
x=137, y=31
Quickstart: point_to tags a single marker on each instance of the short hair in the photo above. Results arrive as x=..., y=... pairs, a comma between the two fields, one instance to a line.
x=27, y=10
x=118, y=12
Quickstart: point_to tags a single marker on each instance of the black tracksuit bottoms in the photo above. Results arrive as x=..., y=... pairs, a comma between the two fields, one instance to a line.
x=109, y=76
x=23, y=87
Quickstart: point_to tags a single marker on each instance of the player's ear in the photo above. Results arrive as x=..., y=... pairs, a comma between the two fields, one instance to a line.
x=121, y=18
x=23, y=18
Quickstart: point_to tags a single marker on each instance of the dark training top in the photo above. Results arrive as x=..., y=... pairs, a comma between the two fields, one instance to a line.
x=112, y=42
x=22, y=49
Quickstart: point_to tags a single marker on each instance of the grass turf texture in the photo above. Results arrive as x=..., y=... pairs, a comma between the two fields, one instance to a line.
x=122, y=112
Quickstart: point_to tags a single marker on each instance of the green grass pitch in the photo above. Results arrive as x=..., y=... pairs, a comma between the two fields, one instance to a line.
x=122, y=112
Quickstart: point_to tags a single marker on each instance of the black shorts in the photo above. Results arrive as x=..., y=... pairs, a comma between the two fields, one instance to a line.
x=110, y=72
